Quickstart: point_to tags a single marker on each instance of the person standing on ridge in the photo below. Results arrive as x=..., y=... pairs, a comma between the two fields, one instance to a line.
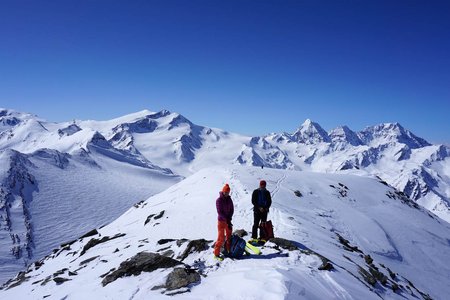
x=225, y=210
x=261, y=201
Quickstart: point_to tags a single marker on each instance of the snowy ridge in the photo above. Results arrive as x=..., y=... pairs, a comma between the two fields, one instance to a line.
x=339, y=236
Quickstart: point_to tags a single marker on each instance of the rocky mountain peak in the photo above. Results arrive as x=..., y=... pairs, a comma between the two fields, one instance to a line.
x=310, y=133
x=343, y=134
x=386, y=133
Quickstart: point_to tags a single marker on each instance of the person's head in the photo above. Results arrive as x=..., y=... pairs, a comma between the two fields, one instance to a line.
x=262, y=184
x=226, y=189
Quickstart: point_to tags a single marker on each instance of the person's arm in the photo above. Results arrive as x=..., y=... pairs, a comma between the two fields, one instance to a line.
x=269, y=199
x=232, y=209
x=255, y=198
x=220, y=211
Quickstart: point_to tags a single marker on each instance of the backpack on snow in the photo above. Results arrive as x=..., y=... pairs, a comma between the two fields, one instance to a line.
x=266, y=230
x=237, y=247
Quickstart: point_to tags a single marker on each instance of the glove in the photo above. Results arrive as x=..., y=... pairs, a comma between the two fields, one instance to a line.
x=261, y=209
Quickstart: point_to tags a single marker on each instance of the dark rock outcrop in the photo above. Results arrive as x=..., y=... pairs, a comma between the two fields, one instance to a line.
x=60, y=280
x=181, y=277
x=90, y=233
x=94, y=242
x=283, y=243
x=195, y=246
x=141, y=262
x=240, y=233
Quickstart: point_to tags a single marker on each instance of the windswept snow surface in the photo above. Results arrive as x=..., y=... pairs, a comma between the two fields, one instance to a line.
x=407, y=243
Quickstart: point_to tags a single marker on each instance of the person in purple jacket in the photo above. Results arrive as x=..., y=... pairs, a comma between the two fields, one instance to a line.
x=225, y=210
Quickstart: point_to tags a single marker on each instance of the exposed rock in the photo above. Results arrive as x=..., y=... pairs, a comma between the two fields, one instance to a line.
x=168, y=253
x=18, y=280
x=395, y=287
x=63, y=245
x=181, y=242
x=141, y=262
x=38, y=264
x=298, y=193
x=369, y=278
x=90, y=233
x=195, y=246
x=347, y=245
x=378, y=275
x=137, y=205
x=60, y=272
x=111, y=270
x=46, y=280
x=392, y=274
x=368, y=259
x=283, y=243
x=326, y=266
x=160, y=215
x=240, y=233
x=165, y=241
x=163, y=249
x=94, y=242
x=154, y=216
x=181, y=277
x=84, y=262
x=60, y=280
x=35, y=282
x=69, y=130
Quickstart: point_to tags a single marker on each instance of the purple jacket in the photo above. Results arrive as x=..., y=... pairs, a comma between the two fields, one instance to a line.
x=225, y=208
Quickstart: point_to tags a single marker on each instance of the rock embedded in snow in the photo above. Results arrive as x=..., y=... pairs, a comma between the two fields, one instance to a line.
x=180, y=278
x=141, y=262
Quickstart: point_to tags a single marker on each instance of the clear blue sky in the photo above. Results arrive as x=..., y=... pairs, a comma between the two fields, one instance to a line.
x=251, y=67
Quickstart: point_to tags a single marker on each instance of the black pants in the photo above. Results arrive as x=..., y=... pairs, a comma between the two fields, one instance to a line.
x=257, y=217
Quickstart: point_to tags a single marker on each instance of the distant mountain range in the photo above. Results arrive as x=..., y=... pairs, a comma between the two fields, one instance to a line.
x=92, y=171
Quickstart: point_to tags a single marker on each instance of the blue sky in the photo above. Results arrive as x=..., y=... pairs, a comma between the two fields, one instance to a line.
x=251, y=67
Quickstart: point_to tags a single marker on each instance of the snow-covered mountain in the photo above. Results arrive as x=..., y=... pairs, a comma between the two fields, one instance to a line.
x=48, y=166
x=338, y=237
x=58, y=181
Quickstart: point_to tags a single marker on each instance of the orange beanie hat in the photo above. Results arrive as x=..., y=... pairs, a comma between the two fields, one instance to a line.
x=226, y=188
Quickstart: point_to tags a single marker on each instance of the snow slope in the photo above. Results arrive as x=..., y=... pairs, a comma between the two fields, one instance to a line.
x=48, y=196
x=356, y=223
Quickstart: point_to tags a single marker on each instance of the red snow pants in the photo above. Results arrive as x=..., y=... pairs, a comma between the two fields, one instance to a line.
x=223, y=230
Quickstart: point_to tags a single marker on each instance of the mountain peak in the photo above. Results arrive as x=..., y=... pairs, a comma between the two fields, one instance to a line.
x=310, y=133
x=385, y=133
x=307, y=123
x=343, y=135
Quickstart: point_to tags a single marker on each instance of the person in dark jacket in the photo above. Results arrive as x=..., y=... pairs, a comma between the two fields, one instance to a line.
x=261, y=201
x=225, y=210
